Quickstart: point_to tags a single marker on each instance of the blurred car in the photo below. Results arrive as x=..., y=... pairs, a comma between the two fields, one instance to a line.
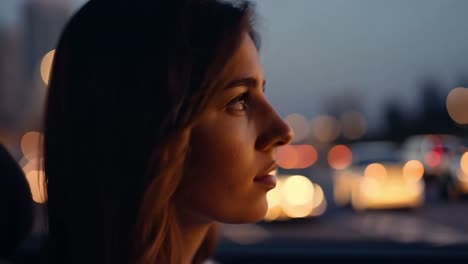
x=295, y=196
x=455, y=184
x=434, y=151
x=379, y=179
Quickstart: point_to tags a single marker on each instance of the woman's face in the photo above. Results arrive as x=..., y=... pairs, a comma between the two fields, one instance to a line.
x=232, y=148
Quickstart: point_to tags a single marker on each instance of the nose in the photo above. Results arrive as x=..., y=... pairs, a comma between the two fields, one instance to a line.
x=274, y=133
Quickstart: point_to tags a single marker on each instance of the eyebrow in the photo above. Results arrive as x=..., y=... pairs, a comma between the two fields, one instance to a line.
x=250, y=82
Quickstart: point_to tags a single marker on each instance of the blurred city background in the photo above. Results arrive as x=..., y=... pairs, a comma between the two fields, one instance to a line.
x=374, y=91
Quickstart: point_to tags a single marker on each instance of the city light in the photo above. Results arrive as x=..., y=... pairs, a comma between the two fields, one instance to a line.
x=295, y=196
x=31, y=145
x=375, y=170
x=299, y=125
x=300, y=197
x=457, y=105
x=296, y=156
x=339, y=157
x=46, y=66
x=413, y=170
x=298, y=190
x=274, y=202
x=36, y=182
x=287, y=156
x=325, y=128
x=464, y=163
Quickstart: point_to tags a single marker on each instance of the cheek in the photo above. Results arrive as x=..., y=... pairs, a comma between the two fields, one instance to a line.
x=218, y=183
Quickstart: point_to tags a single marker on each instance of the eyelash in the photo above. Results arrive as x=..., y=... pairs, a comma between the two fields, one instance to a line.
x=243, y=98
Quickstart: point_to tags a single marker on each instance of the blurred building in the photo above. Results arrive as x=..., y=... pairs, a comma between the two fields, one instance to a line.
x=10, y=76
x=43, y=22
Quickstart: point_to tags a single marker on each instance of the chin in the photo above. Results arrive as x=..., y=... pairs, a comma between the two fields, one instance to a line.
x=250, y=214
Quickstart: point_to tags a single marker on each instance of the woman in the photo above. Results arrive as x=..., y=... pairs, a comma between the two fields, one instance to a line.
x=156, y=129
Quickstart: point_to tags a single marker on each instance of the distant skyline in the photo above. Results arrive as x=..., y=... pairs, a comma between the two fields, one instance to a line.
x=316, y=49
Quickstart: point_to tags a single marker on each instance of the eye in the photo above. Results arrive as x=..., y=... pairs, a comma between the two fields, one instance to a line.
x=240, y=103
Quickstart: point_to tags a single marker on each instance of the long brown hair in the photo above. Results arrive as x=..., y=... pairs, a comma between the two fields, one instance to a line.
x=128, y=80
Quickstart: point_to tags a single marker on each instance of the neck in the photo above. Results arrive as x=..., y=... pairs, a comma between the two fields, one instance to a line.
x=193, y=232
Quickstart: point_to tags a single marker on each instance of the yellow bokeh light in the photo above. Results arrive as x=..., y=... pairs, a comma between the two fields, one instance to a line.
x=36, y=181
x=274, y=196
x=298, y=211
x=464, y=163
x=370, y=187
x=273, y=213
x=46, y=65
x=413, y=170
x=319, y=204
x=318, y=196
x=298, y=190
x=31, y=145
x=342, y=189
x=457, y=105
x=375, y=170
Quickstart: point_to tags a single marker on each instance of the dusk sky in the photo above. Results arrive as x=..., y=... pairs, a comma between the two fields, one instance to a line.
x=378, y=49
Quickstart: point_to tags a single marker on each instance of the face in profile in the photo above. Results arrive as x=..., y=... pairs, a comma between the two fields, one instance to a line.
x=232, y=148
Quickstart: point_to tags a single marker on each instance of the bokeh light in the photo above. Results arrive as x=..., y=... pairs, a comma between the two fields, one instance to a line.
x=353, y=125
x=301, y=198
x=464, y=163
x=31, y=144
x=325, y=128
x=432, y=158
x=296, y=156
x=34, y=164
x=339, y=157
x=298, y=190
x=272, y=214
x=413, y=170
x=295, y=196
x=36, y=181
x=287, y=156
x=274, y=199
x=298, y=211
x=457, y=105
x=299, y=125
x=319, y=203
x=274, y=195
x=46, y=65
x=370, y=187
x=375, y=170
x=307, y=156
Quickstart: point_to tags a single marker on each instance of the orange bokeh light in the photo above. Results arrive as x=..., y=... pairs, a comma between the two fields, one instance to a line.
x=339, y=157
x=413, y=170
x=375, y=170
x=464, y=163
x=287, y=156
x=307, y=156
x=296, y=156
x=30, y=144
x=46, y=65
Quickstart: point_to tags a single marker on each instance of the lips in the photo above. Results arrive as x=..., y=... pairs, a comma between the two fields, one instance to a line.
x=268, y=180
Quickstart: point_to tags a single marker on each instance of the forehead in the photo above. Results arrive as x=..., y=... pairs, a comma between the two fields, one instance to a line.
x=245, y=61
